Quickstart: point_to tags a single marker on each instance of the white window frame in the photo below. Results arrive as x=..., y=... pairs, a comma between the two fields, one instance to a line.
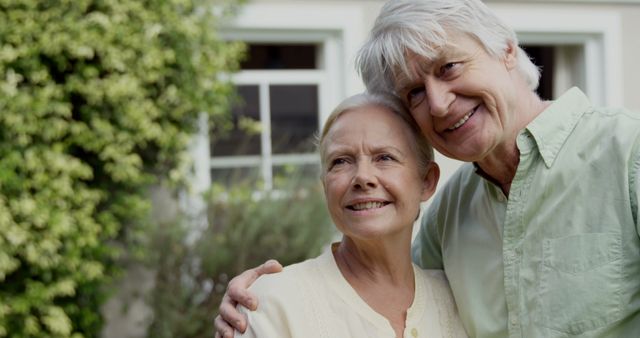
x=337, y=28
x=266, y=160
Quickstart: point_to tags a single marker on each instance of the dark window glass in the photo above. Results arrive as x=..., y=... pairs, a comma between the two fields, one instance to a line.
x=279, y=56
x=231, y=176
x=294, y=118
x=543, y=57
x=243, y=138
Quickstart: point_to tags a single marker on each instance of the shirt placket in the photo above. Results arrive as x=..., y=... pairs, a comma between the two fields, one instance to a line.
x=513, y=234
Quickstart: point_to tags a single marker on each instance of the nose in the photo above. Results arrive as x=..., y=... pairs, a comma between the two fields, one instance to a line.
x=439, y=96
x=364, y=177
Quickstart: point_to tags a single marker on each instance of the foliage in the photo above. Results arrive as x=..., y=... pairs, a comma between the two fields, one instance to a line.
x=245, y=228
x=98, y=99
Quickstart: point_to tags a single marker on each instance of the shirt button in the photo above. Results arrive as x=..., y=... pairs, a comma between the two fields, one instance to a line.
x=514, y=321
x=414, y=332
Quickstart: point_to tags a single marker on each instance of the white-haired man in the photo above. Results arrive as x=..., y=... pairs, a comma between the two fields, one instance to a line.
x=538, y=232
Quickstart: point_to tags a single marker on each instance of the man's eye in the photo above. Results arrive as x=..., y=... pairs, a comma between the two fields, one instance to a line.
x=448, y=67
x=386, y=157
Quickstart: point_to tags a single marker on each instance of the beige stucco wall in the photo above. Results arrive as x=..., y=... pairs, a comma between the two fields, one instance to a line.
x=631, y=55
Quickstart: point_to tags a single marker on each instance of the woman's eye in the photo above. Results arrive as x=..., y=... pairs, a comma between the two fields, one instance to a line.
x=337, y=162
x=415, y=96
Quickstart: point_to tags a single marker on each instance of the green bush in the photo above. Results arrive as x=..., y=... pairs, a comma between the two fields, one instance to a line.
x=245, y=228
x=97, y=100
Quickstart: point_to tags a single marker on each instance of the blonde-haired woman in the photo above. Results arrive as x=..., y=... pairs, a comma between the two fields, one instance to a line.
x=376, y=169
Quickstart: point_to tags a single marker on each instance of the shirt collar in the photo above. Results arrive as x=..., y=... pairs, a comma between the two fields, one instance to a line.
x=554, y=125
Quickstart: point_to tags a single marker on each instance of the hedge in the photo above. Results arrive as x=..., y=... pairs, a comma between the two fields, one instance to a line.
x=98, y=99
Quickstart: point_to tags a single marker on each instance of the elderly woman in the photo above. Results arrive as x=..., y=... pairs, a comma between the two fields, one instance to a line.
x=376, y=169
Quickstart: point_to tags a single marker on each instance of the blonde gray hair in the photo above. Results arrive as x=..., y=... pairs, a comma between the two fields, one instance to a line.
x=421, y=146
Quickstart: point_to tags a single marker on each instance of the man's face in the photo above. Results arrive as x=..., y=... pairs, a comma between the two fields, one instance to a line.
x=463, y=100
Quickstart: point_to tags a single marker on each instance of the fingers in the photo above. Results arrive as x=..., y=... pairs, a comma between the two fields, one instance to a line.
x=270, y=266
x=222, y=329
x=229, y=317
x=238, y=287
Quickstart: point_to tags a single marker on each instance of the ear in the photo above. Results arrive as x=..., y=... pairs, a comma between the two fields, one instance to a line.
x=511, y=55
x=430, y=181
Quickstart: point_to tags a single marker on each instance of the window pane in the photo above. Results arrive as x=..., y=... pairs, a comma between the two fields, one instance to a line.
x=244, y=138
x=543, y=57
x=280, y=56
x=231, y=176
x=294, y=118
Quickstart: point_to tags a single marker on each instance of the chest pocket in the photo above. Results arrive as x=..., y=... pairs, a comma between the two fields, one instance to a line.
x=579, y=288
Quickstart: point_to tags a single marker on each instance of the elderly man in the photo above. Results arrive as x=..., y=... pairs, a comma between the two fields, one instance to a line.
x=539, y=232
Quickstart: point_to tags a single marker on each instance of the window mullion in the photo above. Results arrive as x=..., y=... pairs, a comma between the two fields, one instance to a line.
x=265, y=123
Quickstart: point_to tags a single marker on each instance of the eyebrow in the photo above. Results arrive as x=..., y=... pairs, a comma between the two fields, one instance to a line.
x=387, y=149
x=341, y=149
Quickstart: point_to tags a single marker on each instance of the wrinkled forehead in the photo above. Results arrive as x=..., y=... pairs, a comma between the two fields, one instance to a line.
x=405, y=74
x=414, y=64
x=416, y=59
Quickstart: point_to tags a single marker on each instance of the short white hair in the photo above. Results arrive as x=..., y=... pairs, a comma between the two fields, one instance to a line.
x=421, y=27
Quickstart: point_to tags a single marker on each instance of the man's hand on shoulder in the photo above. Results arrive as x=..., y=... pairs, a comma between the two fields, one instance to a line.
x=238, y=292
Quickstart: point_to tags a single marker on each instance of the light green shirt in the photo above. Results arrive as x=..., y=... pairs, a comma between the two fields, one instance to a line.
x=560, y=257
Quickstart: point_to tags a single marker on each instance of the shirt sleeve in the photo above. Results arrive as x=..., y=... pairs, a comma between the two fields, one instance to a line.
x=276, y=314
x=634, y=188
x=426, y=249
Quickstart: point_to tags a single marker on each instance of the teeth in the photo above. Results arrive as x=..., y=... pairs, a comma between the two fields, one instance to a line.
x=368, y=205
x=462, y=120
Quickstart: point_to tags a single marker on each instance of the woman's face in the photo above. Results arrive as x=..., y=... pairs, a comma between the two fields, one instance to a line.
x=371, y=178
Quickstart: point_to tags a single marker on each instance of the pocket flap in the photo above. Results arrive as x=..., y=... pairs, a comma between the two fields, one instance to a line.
x=578, y=253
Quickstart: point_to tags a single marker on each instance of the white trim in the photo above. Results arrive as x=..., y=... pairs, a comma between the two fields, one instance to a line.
x=265, y=135
x=598, y=31
x=277, y=77
x=223, y=162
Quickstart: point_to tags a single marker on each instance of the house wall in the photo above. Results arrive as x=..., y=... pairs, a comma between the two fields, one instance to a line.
x=631, y=55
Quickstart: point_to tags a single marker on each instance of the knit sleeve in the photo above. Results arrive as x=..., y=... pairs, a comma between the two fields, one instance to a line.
x=272, y=318
x=263, y=324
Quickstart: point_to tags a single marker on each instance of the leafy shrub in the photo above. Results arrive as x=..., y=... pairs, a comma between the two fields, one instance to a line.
x=98, y=99
x=245, y=228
